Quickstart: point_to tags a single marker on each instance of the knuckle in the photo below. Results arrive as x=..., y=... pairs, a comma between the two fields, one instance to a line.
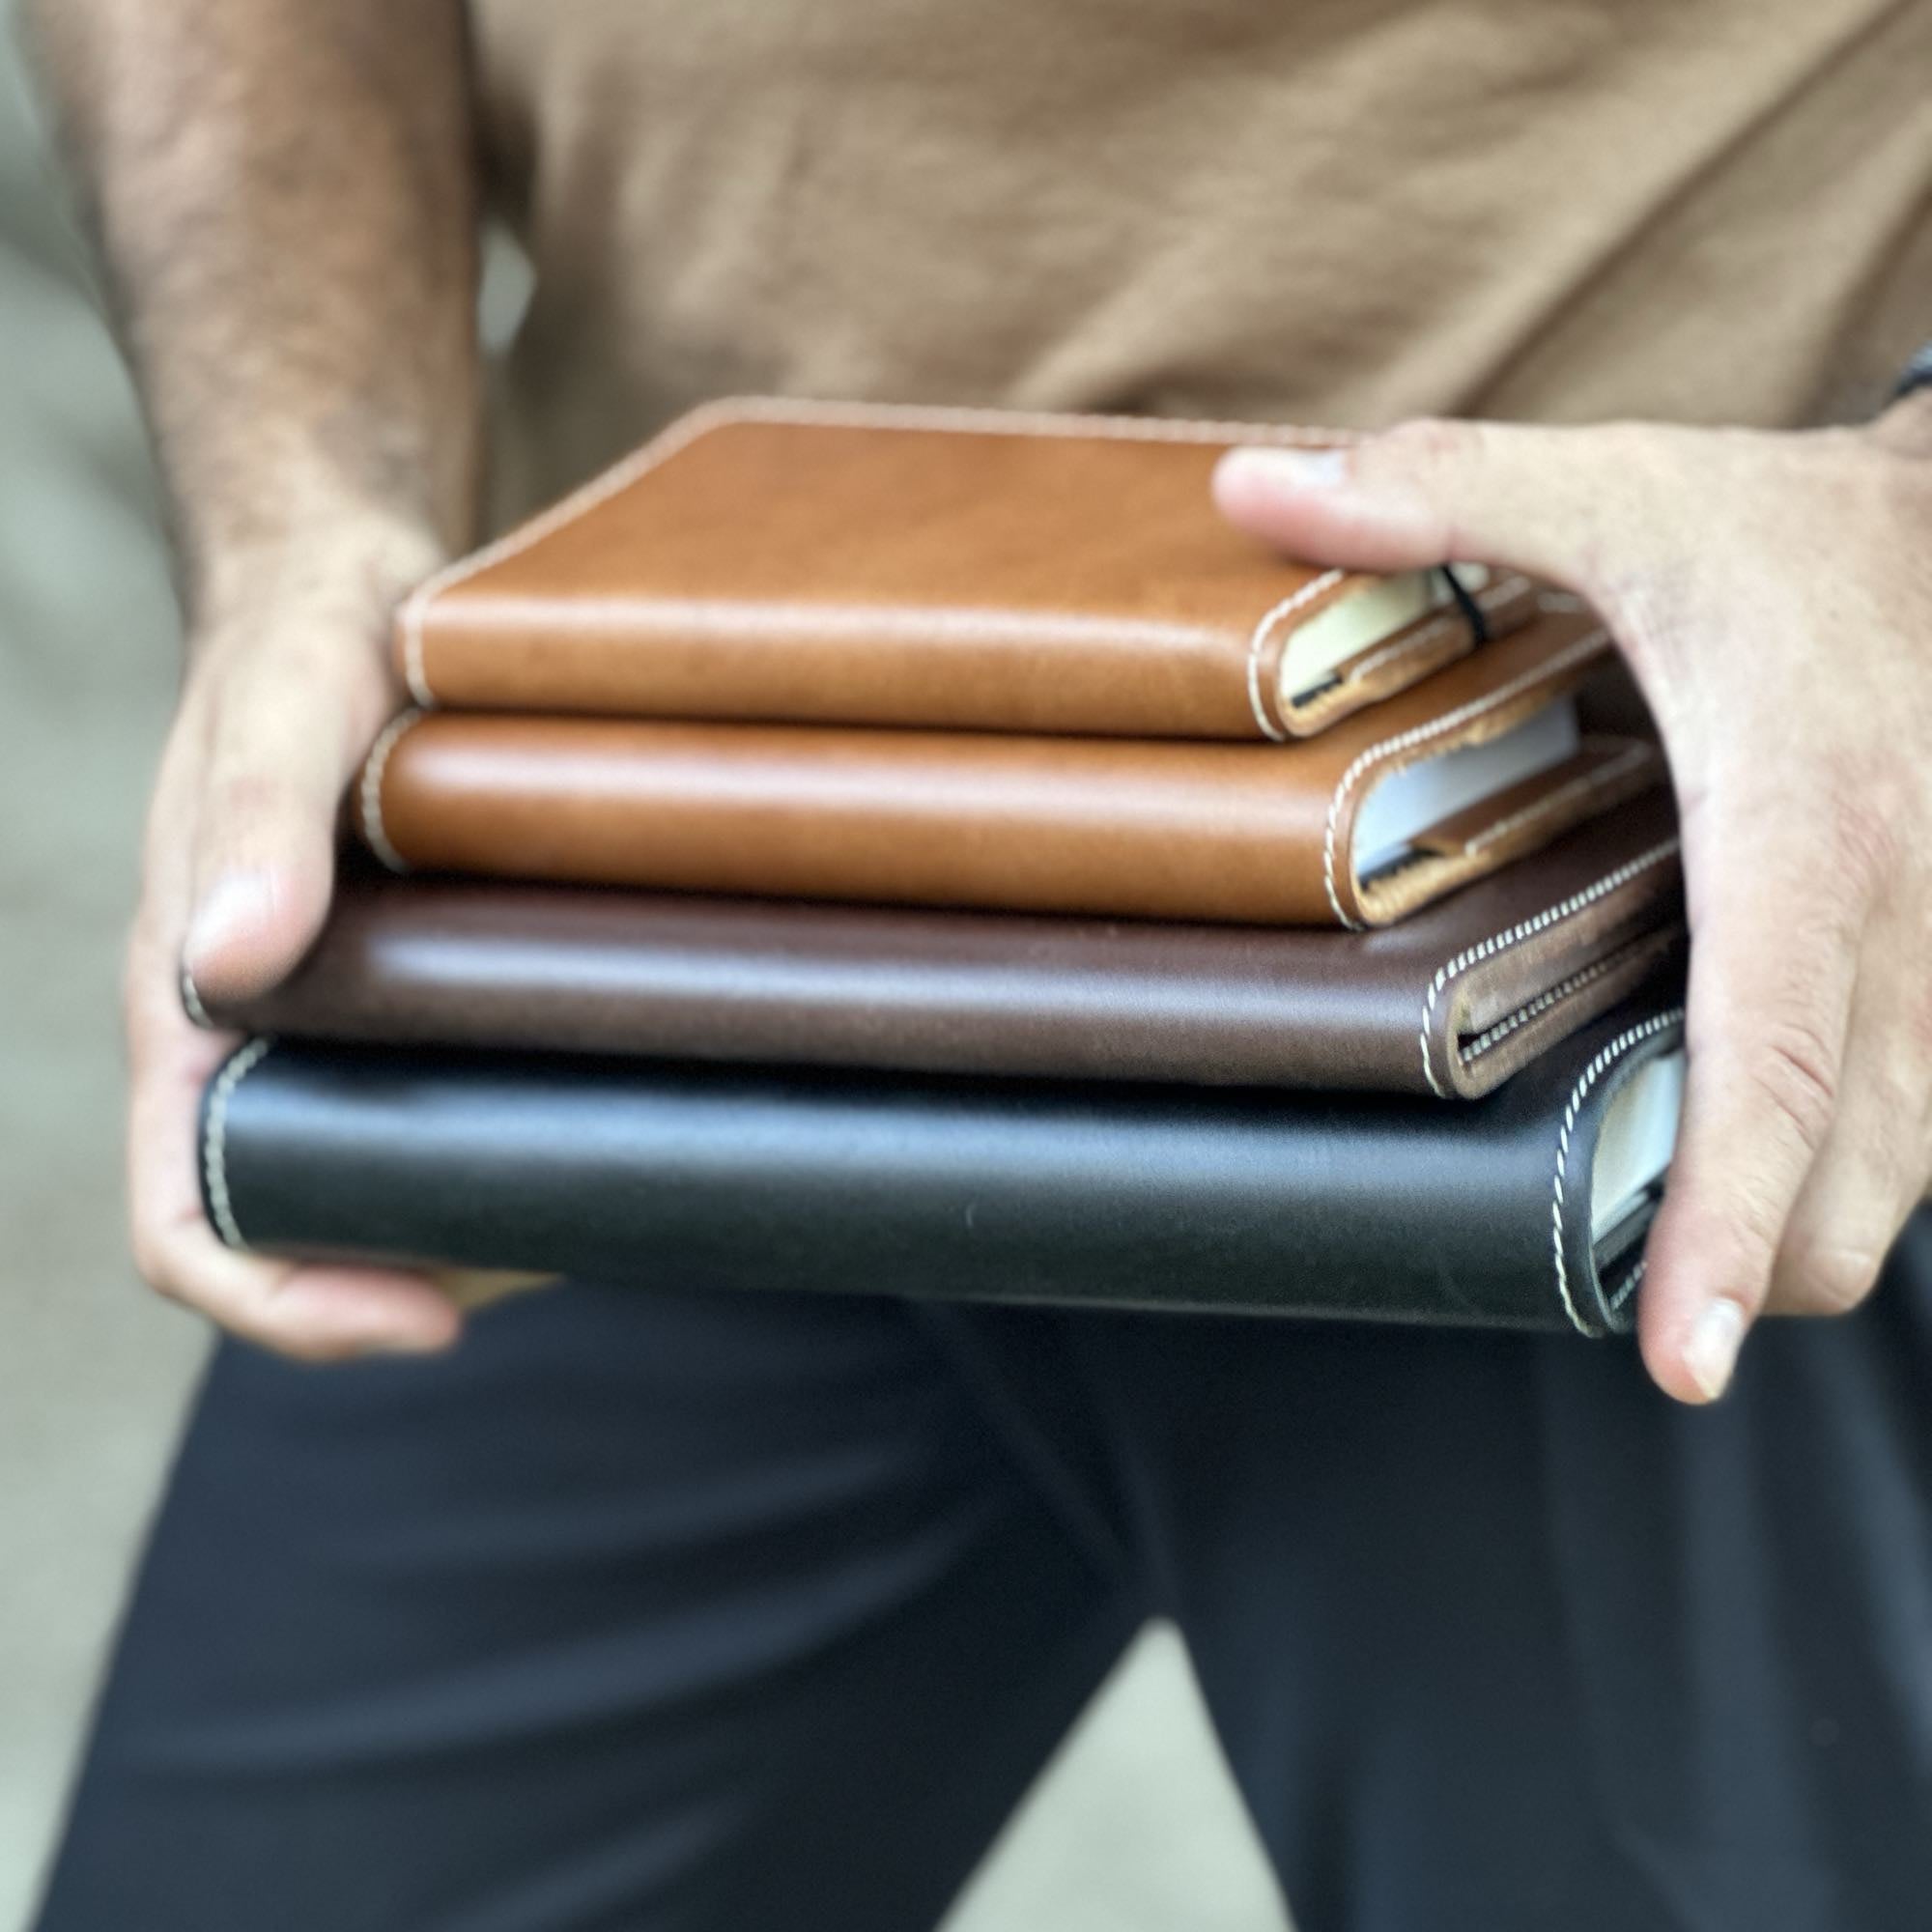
x=155, y=1266
x=1883, y=487
x=150, y=995
x=151, y=1251
x=1748, y=1236
x=1431, y=457
x=1651, y=605
x=1433, y=444
x=1795, y=1074
x=244, y=794
x=1832, y=1277
x=1864, y=844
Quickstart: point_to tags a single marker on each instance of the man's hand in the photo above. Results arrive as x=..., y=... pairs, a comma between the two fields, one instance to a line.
x=1772, y=594
x=284, y=692
x=285, y=197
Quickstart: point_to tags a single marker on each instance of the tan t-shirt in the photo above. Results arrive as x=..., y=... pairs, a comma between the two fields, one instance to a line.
x=1329, y=210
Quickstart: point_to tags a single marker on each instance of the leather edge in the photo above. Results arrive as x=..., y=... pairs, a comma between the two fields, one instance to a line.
x=1482, y=718
x=1398, y=661
x=1593, y=1308
x=1272, y=635
x=1551, y=1016
x=366, y=793
x=191, y=998
x=410, y=641
x=1493, y=980
x=212, y=1138
x=1589, y=794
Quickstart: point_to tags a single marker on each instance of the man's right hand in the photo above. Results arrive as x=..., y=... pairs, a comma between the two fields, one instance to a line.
x=287, y=682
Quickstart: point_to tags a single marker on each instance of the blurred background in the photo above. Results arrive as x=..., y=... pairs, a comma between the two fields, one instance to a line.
x=1136, y=1825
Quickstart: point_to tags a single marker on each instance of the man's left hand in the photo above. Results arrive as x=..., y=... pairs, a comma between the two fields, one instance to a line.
x=1772, y=594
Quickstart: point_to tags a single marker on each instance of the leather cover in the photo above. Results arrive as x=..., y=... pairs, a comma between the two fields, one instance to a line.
x=956, y=569
x=1158, y=1197
x=1451, y=1002
x=1259, y=834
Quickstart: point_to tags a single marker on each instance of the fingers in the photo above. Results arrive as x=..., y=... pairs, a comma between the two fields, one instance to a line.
x=1545, y=500
x=313, y=1313
x=273, y=768
x=1769, y=1009
x=1805, y=1136
x=236, y=877
x=1871, y=1172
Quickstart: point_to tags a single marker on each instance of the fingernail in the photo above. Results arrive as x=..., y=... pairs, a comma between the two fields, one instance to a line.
x=237, y=903
x=1289, y=469
x=1711, y=1352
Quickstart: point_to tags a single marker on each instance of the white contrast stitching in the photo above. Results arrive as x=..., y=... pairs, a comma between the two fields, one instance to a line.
x=1606, y=1058
x=1486, y=599
x=371, y=790
x=1584, y=647
x=1585, y=976
x=1528, y=928
x=214, y=1149
x=192, y=999
x=1629, y=1284
x=688, y=428
x=1316, y=586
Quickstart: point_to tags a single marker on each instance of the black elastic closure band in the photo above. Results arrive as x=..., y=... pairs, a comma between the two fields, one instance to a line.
x=1479, y=625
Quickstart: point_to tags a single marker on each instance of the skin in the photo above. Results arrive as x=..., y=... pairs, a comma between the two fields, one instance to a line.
x=284, y=190
x=1772, y=595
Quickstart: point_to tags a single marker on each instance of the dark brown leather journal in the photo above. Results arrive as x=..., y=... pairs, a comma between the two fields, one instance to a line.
x=1457, y=776
x=953, y=569
x=1450, y=1003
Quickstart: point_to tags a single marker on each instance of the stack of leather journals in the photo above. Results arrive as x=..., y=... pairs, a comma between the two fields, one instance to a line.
x=929, y=852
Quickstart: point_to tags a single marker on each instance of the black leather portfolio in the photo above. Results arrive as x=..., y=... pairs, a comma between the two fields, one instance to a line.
x=1524, y=1210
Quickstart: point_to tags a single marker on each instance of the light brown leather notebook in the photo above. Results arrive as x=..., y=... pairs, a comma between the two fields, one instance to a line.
x=1355, y=827
x=945, y=569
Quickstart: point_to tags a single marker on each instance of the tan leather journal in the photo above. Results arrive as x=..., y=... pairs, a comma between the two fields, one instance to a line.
x=1382, y=813
x=948, y=569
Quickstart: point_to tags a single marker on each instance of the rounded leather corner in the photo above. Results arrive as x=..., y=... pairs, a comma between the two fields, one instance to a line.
x=191, y=1000
x=1594, y=1307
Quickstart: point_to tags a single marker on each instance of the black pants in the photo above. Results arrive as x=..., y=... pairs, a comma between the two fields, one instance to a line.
x=647, y=1611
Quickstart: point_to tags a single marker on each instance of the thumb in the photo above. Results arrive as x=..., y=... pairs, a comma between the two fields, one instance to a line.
x=278, y=753
x=1543, y=501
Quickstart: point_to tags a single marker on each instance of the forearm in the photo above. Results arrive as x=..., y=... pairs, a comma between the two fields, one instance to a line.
x=283, y=192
